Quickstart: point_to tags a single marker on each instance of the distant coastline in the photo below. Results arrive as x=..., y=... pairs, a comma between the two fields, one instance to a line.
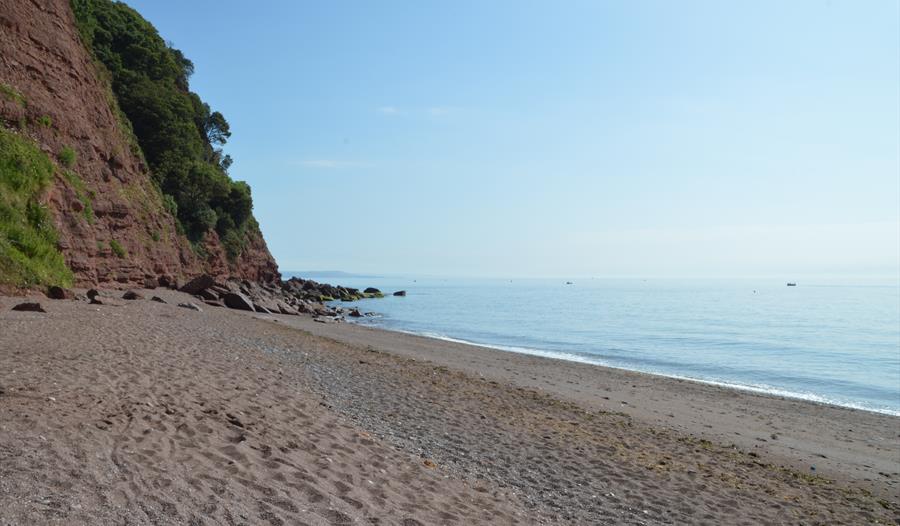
x=326, y=274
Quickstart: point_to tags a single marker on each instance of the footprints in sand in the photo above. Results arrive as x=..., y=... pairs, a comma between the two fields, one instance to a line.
x=182, y=426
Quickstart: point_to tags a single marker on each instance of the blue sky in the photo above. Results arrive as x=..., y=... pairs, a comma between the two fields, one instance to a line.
x=596, y=138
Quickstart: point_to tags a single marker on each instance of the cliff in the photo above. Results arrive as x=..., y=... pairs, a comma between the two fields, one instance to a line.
x=111, y=221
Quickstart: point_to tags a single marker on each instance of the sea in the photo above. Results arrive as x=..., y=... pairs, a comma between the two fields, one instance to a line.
x=831, y=341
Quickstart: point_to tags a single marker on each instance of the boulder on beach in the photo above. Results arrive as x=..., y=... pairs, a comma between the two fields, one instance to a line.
x=59, y=293
x=190, y=306
x=94, y=297
x=132, y=295
x=265, y=303
x=234, y=300
x=354, y=313
x=262, y=310
x=284, y=308
x=29, y=307
x=157, y=299
x=400, y=293
x=208, y=295
x=201, y=282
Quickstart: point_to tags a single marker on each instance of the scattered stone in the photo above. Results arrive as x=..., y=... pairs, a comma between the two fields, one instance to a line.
x=131, y=295
x=400, y=293
x=372, y=290
x=150, y=283
x=201, y=282
x=354, y=313
x=157, y=299
x=29, y=307
x=59, y=293
x=190, y=306
x=93, y=293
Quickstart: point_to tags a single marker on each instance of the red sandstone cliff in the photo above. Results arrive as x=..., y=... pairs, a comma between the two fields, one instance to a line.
x=42, y=57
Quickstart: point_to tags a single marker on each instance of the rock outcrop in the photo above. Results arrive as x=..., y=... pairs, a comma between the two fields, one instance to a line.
x=295, y=296
x=112, y=224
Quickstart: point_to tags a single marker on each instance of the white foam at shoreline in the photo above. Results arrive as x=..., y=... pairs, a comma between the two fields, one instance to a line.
x=570, y=357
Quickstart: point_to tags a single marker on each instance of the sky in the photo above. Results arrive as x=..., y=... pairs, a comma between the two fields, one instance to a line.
x=516, y=138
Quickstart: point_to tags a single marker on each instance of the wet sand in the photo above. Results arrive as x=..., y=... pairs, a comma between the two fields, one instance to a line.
x=146, y=413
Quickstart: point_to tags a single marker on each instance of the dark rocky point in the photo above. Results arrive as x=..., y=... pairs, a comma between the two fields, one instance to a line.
x=400, y=293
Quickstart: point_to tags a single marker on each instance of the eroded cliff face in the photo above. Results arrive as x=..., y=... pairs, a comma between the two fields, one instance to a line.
x=112, y=224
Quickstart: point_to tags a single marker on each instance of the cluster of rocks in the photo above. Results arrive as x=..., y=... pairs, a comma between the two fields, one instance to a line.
x=310, y=290
x=269, y=298
x=295, y=296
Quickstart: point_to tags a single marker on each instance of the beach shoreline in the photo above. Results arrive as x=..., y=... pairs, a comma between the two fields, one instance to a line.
x=224, y=416
x=861, y=447
x=774, y=392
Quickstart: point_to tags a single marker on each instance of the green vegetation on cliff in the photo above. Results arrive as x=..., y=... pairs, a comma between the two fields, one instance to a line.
x=180, y=136
x=28, y=252
x=10, y=93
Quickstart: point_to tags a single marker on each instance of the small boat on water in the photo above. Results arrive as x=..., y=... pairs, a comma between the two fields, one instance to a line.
x=791, y=284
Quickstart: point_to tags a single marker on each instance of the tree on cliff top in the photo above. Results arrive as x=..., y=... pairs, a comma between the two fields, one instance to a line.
x=179, y=134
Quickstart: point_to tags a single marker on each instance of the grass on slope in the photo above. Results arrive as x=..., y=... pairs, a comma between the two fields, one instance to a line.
x=28, y=252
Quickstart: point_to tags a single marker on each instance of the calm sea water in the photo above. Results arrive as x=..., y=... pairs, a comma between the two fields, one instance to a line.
x=825, y=341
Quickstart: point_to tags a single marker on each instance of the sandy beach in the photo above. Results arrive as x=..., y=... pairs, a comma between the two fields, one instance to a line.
x=139, y=412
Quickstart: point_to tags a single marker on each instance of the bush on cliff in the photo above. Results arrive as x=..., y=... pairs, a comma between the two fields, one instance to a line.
x=28, y=252
x=180, y=136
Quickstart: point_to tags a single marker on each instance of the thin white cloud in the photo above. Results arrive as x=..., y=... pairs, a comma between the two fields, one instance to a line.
x=439, y=111
x=388, y=110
